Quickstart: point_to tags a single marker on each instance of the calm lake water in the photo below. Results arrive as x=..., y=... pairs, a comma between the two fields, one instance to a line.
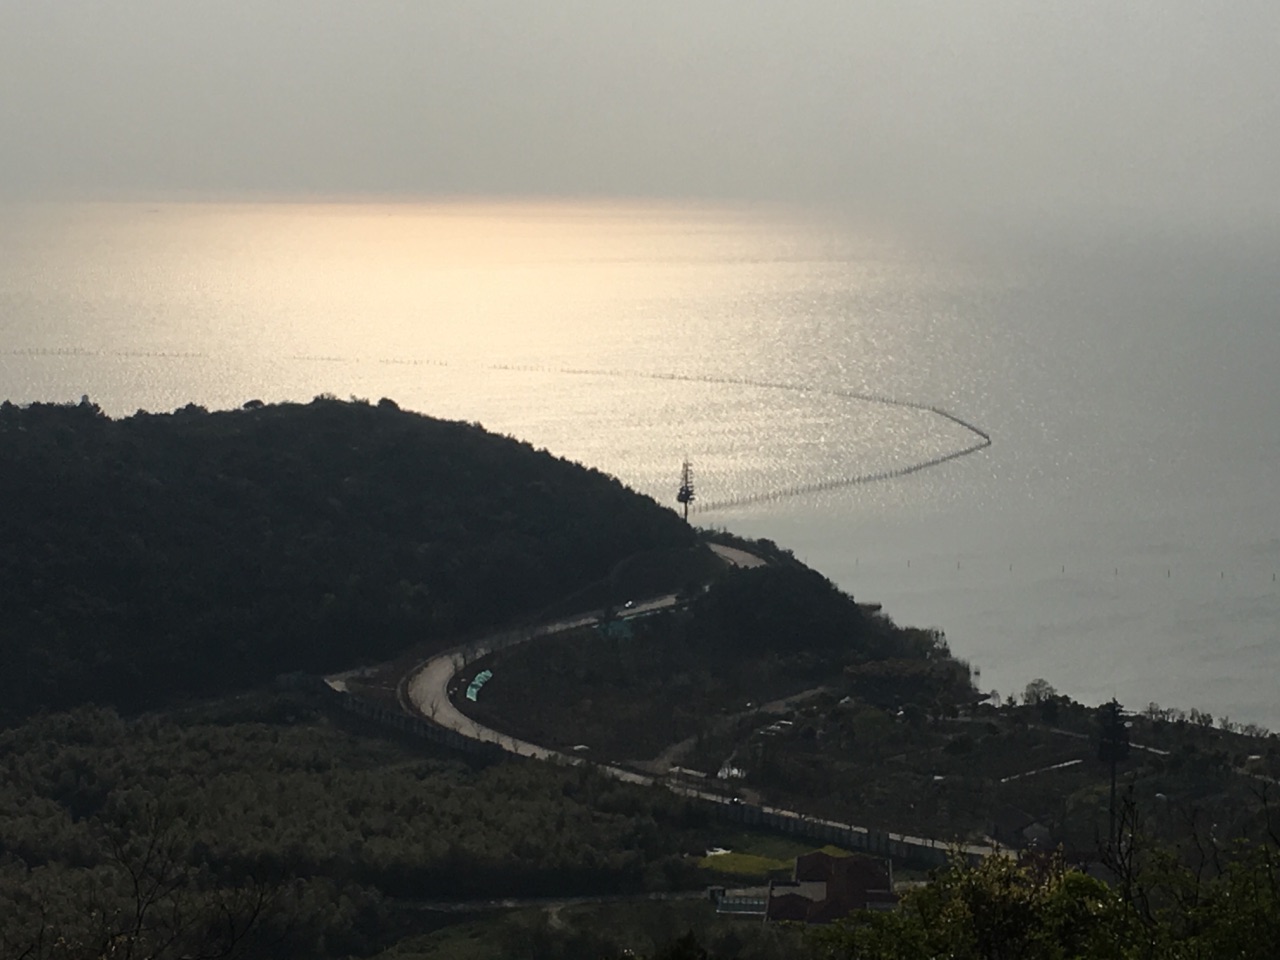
x=1120, y=536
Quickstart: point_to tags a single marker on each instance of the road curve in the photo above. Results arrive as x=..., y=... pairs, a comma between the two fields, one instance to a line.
x=425, y=692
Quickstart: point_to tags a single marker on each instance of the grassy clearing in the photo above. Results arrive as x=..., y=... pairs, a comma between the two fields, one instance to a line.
x=759, y=857
x=772, y=845
x=745, y=866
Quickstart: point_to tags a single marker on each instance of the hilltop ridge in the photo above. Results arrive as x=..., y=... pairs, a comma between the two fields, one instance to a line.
x=197, y=552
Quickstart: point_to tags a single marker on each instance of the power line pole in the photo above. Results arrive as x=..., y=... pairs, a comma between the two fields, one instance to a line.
x=685, y=494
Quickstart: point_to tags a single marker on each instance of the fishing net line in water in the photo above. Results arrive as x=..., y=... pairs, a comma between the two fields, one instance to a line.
x=981, y=439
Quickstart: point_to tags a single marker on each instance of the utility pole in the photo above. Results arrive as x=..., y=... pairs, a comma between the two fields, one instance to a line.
x=1113, y=746
x=685, y=494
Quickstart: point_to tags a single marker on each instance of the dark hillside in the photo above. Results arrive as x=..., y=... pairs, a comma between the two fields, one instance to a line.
x=696, y=673
x=195, y=552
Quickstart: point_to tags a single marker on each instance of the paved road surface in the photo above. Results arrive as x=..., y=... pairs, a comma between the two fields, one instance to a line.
x=739, y=558
x=427, y=688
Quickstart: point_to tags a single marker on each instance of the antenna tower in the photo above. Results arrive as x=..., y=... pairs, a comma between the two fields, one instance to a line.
x=685, y=494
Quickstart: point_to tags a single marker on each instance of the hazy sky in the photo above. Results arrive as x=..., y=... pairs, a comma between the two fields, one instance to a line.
x=1024, y=104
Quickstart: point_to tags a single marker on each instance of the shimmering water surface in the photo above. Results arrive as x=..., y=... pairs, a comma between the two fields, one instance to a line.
x=1120, y=536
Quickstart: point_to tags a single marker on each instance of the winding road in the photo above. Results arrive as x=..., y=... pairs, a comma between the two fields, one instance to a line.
x=425, y=692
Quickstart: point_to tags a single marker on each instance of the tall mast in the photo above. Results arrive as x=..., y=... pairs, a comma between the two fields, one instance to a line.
x=685, y=494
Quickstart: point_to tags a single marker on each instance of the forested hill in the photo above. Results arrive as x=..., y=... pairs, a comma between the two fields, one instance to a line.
x=196, y=552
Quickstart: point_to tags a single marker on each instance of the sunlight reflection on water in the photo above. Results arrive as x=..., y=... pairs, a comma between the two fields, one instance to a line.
x=571, y=325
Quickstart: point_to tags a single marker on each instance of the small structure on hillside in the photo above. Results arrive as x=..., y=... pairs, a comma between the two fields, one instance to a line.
x=827, y=887
x=746, y=904
x=473, y=688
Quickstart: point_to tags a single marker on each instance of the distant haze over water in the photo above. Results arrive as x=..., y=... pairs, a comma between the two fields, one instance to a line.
x=1121, y=535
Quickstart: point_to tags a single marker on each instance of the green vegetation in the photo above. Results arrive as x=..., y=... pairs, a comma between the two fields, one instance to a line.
x=1225, y=903
x=606, y=932
x=188, y=554
x=259, y=827
x=773, y=846
x=334, y=831
x=744, y=867
x=153, y=560
x=1152, y=906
